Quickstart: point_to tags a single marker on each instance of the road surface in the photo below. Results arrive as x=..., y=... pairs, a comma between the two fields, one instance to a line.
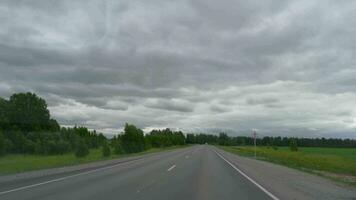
x=198, y=172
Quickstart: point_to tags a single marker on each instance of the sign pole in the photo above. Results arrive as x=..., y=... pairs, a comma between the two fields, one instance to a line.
x=254, y=140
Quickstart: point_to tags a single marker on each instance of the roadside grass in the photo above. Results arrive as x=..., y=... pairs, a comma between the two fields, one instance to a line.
x=335, y=163
x=16, y=163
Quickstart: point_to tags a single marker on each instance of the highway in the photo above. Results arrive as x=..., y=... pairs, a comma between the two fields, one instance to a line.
x=197, y=172
x=191, y=173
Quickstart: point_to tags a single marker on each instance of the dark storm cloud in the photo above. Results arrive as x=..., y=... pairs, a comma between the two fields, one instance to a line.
x=281, y=67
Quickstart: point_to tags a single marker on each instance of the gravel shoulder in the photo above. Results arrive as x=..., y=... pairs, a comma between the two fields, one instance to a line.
x=287, y=183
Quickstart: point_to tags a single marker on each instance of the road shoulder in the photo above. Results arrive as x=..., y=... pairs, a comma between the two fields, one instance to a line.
x=287, y=183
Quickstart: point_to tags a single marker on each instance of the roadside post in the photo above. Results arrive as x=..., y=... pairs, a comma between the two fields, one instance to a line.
x=254, y=134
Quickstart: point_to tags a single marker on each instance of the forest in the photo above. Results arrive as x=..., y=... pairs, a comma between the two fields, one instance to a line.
x=225, y=140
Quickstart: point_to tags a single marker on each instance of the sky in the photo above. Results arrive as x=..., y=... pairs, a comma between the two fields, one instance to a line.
x=284, y=68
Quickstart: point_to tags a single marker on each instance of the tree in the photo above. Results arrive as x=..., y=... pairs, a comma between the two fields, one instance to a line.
x=118, y=148
x=62, y=147
x=82, y=149
x=132, y=140
x=223, y=139
x=2, y=144
x=106, y=150
x=190, y=138
x=4, y=121
x=18, y=141
x=28, y=112
x=148, y=143
x=293, y=145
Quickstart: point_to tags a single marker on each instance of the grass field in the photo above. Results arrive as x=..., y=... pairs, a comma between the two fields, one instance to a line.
x=336, y=163
x=15, y=163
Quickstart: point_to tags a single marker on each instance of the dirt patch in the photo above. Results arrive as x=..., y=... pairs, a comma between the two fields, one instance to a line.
x=343, y=177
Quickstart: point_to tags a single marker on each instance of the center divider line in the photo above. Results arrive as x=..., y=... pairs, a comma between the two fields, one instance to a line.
x=247, y=177
x=68, y=177
x=75, y=175
x=173, y=166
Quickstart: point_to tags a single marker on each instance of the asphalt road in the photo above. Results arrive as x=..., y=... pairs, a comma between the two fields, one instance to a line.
x=198, y=172
x=191, y=173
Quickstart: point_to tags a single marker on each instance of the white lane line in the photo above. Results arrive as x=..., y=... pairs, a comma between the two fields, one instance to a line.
x=248, y=178
x=67, y=177
x=169, y=169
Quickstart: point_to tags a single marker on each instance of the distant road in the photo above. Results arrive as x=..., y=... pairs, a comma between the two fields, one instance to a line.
x=198, y=172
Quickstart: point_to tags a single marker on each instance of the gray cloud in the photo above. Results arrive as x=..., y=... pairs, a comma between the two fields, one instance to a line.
x=172, y=104
x=282, y=67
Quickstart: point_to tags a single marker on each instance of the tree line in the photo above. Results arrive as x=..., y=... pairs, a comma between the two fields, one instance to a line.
x=224, y=139
x=133, y=140
x=27, y=127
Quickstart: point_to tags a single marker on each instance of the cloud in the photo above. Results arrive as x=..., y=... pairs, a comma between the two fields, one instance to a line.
x=172, y=105
x=282, y=67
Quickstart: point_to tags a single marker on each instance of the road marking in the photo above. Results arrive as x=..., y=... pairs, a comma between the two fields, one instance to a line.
x=169, y=169
x=71, y=176
x=247, y=177
x=68, y=177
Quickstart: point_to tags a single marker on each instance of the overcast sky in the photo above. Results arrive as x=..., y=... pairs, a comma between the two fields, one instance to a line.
x=282, y=67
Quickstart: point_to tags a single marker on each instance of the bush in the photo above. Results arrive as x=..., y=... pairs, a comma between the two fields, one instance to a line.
x=106, y=150
x=82, y=149
x=118, y=148
x=62, y=147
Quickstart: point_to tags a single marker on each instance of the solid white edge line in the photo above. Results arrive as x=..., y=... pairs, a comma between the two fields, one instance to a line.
x=247, y=177
x=67, y=177
x=173, y=166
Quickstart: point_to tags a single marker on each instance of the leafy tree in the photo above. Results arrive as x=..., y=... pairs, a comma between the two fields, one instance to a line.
x=190, y=138
x=28, y=112
x=4, y=121
x=61, y=147
x=223, y=139
x=39, y=148
x=29, y=146
x=118, y=149
x=132, y=140
x=293, y=145
x=148, y=143
x=106, y=150
x=82, y=149
x=2, y=144
x=18, y=141
x=53, y=125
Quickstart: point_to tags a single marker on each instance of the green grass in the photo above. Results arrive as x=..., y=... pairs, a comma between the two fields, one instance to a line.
x=15, y=163
x=341, y=161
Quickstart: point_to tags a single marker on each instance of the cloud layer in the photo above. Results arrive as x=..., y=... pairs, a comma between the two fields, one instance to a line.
x=281, y=67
